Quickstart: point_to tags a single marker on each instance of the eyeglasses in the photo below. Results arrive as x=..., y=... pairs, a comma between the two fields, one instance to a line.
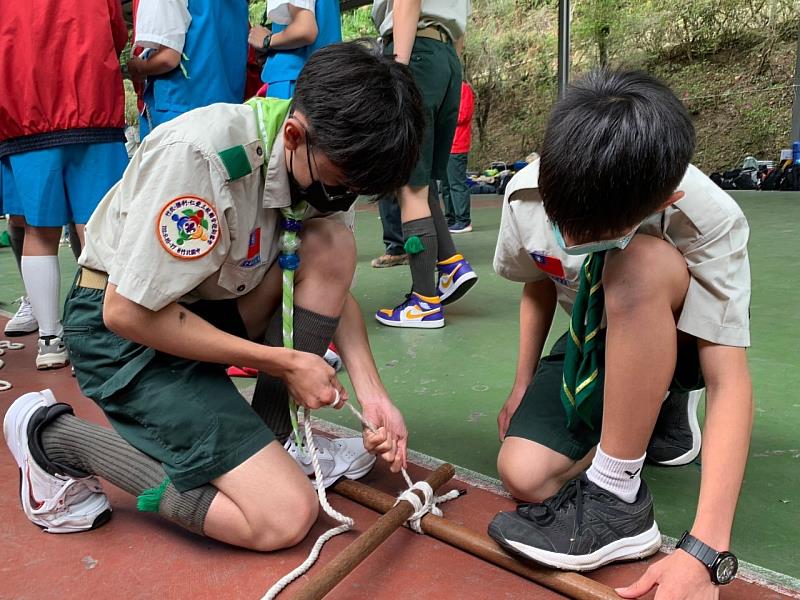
x=337, y=195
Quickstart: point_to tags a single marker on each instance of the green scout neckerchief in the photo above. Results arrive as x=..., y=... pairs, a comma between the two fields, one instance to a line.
x=580, y=363
x=270, y=115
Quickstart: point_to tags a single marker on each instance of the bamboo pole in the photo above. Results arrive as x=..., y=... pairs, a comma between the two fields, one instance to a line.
x=572, y=585
x=394, y=517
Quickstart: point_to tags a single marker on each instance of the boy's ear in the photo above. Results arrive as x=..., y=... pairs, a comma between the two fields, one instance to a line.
x=671, y=200
x=293, y=135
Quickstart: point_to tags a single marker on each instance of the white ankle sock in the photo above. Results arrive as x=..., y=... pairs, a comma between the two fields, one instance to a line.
x=42, y=278
x=620, y=477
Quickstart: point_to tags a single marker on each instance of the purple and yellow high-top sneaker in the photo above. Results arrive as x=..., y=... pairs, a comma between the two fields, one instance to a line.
x=418, y=311
x=456, y=277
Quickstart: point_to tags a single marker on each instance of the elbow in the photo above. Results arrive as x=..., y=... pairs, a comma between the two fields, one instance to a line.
x=169, y=59
x=310, y=34
x=117, y=317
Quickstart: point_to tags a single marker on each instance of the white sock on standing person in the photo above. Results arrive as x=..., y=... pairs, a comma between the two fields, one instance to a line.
x=618, y=476
x=42, y=277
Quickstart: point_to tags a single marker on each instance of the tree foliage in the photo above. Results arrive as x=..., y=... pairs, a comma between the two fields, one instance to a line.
x=718, y=48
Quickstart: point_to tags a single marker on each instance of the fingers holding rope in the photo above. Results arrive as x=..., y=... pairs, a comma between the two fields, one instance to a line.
x=339, y=396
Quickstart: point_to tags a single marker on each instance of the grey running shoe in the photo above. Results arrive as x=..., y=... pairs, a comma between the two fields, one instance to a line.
x=676, y=437
x=581, y=528
x=52, y=353
x=23, y=322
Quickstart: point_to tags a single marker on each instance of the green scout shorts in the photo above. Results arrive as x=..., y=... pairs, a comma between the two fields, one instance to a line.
x=185, y=414
x=541, y=416
x=437, y=73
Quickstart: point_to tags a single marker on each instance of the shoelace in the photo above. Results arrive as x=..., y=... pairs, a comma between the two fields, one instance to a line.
x=405, y=302
x=545, y=512
x=25, y=309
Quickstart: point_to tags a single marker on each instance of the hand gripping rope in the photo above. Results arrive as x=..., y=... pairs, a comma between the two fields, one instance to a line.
x=289, y=261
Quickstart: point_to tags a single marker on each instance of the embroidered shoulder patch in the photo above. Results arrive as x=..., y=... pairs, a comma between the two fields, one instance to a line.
x=187, y=227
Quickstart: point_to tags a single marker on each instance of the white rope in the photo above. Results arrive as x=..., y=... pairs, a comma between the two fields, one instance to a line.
x=421, y=508
x=346, y=523
x=5, y=344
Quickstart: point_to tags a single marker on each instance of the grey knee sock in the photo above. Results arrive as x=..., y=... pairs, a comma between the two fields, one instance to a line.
x=77, y=445
x=17, y=238
x=446, y=248
x=312, y=333
x=422, y=255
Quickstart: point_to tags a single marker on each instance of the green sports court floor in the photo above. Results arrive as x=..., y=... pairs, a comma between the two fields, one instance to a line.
x=451, y=382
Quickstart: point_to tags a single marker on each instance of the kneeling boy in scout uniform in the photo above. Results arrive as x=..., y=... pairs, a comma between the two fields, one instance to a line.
x=650, y=259
x=180, y=274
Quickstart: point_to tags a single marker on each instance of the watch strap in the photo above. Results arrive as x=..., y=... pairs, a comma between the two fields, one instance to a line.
x=702, y=552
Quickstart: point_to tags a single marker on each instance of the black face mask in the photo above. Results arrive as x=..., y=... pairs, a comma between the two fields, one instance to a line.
x=319, y=196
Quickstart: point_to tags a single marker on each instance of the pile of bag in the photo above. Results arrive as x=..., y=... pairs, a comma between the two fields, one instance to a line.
x=754, y=176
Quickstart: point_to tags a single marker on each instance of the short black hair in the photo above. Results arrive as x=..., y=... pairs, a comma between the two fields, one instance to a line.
x=365, y=114
x=616, y=147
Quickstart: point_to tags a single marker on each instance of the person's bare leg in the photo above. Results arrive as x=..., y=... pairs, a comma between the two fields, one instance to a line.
x=322, y=283
x=266, y=503
x=532, y=472
x=327, y=263
x=645, y=286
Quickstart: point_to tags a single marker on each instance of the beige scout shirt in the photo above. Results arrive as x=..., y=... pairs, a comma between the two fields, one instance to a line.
x=179, y=227
x=452, y=15
x=706, y=226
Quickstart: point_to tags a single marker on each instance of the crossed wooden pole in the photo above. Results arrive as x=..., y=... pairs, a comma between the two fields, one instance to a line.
x=394, y=515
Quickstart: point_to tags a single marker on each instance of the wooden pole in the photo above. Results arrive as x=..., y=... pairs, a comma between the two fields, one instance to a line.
x=572, y=585
x=341, y=566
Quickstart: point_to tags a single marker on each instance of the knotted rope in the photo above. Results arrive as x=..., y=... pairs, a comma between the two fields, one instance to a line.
x=289, y=261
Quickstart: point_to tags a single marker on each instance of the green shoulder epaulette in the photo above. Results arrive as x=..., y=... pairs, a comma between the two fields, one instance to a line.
x=236, y=162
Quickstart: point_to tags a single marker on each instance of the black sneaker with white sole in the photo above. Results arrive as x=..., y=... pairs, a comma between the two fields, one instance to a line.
x=581, y=528
x=676, y=437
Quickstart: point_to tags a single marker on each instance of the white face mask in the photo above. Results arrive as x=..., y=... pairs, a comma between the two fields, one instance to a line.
x=589, y=247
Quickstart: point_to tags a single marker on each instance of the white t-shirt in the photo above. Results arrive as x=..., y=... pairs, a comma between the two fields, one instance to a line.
x=706, y=226
x=162, y=23
x=278, y=10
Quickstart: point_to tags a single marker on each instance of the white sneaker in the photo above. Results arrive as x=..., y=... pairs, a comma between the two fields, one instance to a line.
x=23, y=322
x=339, y=457
x=52, y=353
x=58, y=503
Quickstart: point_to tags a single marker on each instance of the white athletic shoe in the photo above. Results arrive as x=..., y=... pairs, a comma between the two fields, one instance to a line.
x=339, y=457
x=23, y=322
x=52, y=353
x=58, y=503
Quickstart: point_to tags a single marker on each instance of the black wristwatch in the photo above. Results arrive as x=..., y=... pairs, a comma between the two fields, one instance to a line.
x=267, y=40
x=722, y=566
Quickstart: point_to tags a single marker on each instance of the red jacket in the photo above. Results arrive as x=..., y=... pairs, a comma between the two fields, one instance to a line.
x=462, y=141
x=60, y=79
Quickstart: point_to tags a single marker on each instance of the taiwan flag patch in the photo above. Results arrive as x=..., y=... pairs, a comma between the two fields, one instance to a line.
x=548, y=264
x=253, y=249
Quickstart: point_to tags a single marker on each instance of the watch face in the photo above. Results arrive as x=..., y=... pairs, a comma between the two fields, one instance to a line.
x=726, y=569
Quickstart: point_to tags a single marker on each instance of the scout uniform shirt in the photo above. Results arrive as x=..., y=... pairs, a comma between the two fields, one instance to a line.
x=451, y=15
x=195, y=215
x=706, y=226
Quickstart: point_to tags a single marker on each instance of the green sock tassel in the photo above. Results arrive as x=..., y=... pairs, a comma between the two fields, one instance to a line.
x=149, y=500
x=413, y=245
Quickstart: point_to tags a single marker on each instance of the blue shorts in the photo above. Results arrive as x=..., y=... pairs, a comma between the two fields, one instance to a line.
x=59, y=185
x=281, y=89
